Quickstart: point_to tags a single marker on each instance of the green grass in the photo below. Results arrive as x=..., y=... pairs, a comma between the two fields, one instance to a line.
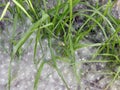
x=57, y=23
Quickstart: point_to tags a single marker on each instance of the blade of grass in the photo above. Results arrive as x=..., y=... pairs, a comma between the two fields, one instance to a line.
x=56, y=12
x=4, y=11
x=72, y=56
x=23, y=9
x=36, y=44
x=45, y=6
x=31, y=6
x=37, y=77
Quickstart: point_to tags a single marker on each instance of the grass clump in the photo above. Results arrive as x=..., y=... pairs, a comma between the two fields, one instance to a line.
x=59, y=22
